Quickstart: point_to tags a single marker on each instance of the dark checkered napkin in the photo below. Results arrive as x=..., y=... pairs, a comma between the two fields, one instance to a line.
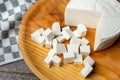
x=11, y=13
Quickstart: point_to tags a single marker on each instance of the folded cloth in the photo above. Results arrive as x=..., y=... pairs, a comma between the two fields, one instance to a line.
x=11, y=13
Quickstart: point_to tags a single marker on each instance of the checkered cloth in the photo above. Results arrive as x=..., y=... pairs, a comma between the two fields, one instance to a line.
x=11, y=12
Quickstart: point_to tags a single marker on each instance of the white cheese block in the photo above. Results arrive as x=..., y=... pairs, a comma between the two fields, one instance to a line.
x=78, y=59
x=88, y=60
x=60, y=39
x=82, y=30
x=57, y=60
x=67, y=34
x=86, y=70
x=84, y=41
x=51, y=53
x=56, y=28
x=48, y=34
x=67, y=27
x=48, y=60
x=85, y=50
x=75, y=40
x=59, y=48
x=102, y=15
x=48, y=44
x=73, y=48
x=69, y=57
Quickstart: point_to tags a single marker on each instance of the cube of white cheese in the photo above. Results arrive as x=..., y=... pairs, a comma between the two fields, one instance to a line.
x=88, y=60
x=59, y=48
x=38, y=39
x=51, y=53
x=56, y=28
x=76, y=33
x=40, y=30
x=78, y=59
x=60, y=39
x=57, y=60
x=48, y=34
x=75, y=40
x=85, y=50
x=69, y=57
x=54, y=41
x=48, y=60
x=67, y=27
x=35, y=34
x=48, y=44
x=84, y=41
x=73, y=48
x=82, y=30
x=67, y=34
x=86, y=70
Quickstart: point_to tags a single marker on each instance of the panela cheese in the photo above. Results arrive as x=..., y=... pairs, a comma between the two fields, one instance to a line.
x=102, y=15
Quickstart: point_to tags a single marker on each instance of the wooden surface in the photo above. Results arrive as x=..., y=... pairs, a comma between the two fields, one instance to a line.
x=43, y=14
x=16, y=71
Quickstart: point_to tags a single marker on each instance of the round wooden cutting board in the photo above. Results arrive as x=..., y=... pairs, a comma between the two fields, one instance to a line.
x=42, y=14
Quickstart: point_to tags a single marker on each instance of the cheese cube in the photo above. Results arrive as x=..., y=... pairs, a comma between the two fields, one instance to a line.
x=73, y=48
x=54, y=41
x=84, y=41
x=85, y=50
x=57, y=60
x=82, y=30
x=35, y=34
x=38, y=39
x=48, y=44
x=76, y=33
x=40, y=30
x=51, y=53
x=59, y=48
x=86, y=70
x=67, y=27
x=78, y=59
x=48, y=60
x=48, y=35
x=69, y=57
x=56, y=28
x=75, y=40
x=67, y=34
x=60, y=39
x=88, y=60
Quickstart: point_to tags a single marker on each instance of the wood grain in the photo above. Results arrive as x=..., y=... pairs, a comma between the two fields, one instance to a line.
x=42, y=14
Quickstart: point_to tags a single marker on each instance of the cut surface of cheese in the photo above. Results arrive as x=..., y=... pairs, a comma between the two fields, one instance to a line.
x=102, y=15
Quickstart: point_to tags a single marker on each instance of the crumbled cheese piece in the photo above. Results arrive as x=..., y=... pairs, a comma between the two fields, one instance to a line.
x=57, y=60
x=69, y=57
x=59, y=48
x=84, y=41
x=85, y=50
x=73, y=48
x=89, y=60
